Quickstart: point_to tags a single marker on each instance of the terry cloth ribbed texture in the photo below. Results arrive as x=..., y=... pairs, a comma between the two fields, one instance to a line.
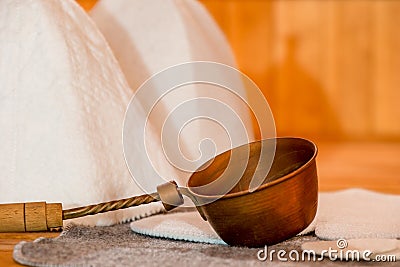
x=352, y=213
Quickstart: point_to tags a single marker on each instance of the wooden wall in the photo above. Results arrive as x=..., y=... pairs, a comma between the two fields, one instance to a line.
x=329, y=69
x=87, y=4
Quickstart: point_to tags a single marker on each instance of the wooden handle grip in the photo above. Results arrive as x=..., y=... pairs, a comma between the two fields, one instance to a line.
x=30, y=217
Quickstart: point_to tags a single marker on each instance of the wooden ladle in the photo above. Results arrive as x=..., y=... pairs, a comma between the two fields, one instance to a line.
x=284, y=204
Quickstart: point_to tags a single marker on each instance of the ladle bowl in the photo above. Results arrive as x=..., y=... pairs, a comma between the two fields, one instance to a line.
x=283, y=206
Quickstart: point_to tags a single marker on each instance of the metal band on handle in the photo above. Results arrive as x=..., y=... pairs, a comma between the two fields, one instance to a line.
x=170, y=195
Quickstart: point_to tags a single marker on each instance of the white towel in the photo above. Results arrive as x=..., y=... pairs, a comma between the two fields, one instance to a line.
x=352, y=213
x=188, y=226
x=357, y=213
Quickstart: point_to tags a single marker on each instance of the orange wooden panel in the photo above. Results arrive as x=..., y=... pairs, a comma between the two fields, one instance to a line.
x=327, y=68
x=87, y=4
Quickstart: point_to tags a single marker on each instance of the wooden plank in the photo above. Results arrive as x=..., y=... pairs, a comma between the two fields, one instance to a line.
x=9, y=240
x=329, y=69
x=87, y=4
x=386, y=95
x=7, y=260
x=374, y=166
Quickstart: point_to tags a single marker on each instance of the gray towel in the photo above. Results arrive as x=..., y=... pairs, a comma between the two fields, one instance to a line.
x=118, y=246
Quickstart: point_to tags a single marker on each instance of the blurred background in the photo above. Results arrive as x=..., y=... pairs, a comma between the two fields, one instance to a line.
x=330, y=71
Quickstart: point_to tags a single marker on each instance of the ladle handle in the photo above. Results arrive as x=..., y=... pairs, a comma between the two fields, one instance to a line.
x=109, y=206
x=30, y=217
x=41, y=216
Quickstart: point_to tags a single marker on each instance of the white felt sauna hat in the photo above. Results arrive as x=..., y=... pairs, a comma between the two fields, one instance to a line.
x=63, y=98
x=149, y=36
